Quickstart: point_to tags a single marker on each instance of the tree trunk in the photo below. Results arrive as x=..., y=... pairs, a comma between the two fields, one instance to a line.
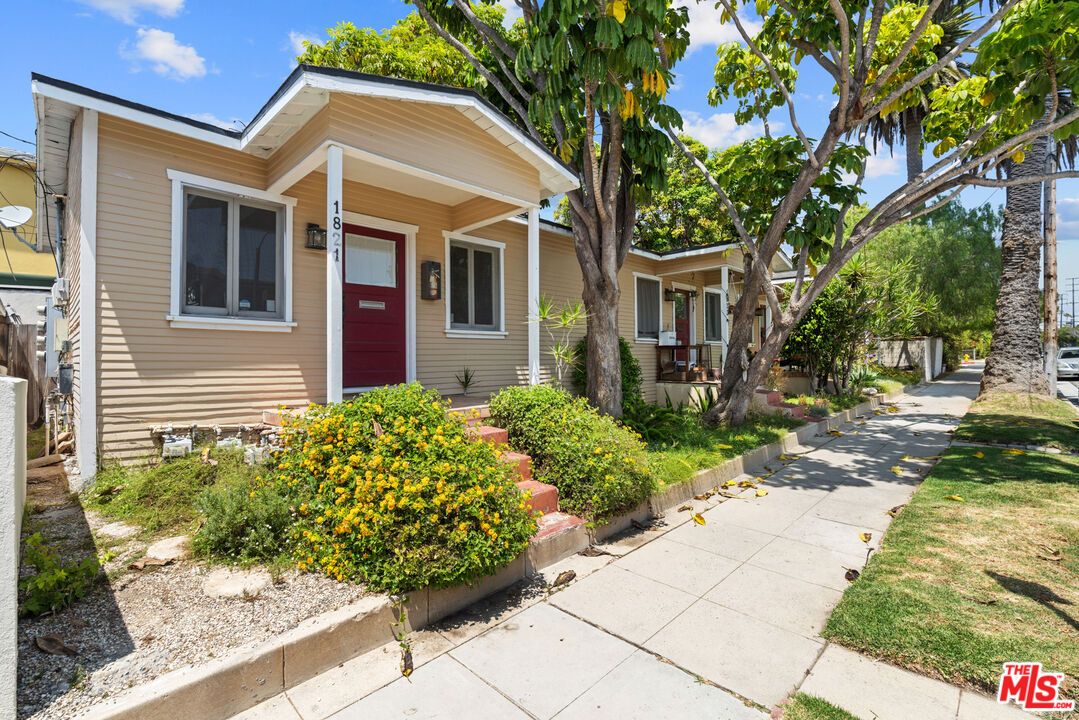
x=912, y=133
x=1050, y=274
x=741, y=396
x=604, y=388
x=1015, y=362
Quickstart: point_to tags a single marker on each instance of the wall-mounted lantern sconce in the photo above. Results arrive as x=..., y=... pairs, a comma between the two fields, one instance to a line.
x=669, y=295
x=316, y=237
x=431, y=280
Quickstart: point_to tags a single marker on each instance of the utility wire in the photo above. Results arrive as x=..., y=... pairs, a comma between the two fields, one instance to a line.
x=18, y=138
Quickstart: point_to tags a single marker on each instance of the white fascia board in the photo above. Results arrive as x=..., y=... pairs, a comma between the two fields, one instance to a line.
x=127, y=113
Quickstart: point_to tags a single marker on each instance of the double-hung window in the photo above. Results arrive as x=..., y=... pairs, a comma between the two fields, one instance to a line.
x=233, y=256
x=715, y=307
x=475, y=285
x=648, y=299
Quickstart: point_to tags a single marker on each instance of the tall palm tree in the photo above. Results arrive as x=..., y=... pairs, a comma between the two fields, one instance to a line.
x=906, y=125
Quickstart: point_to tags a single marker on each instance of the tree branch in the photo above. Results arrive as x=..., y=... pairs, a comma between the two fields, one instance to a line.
x=915, y=36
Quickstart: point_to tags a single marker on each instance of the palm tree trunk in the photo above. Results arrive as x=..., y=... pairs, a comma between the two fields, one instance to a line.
x=1015, y=362
x=912, y=133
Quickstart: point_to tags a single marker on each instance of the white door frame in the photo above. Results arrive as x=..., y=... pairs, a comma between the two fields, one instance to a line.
x=409, y=231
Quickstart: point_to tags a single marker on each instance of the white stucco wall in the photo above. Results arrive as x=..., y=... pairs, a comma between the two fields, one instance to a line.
x=12, y=498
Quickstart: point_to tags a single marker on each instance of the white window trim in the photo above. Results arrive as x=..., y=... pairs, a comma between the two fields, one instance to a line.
x=643, y=340
x=176, y=317
x=452, y=332
x=722, y=323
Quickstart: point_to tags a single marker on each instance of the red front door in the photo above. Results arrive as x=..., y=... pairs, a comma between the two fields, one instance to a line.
x=681, y=321
x=374, y=307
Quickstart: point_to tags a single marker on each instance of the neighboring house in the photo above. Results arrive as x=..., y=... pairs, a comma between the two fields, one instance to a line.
x=196, y=299
x=27, y=264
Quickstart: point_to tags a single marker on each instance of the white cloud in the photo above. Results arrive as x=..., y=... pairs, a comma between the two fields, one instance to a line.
x=512, y=11
x=214, y=120
x=882, y=164
x=1067, y=218
x=296, y=40
x=705, y=29
x=168, y=57
x=128, y=10
x=721, y=130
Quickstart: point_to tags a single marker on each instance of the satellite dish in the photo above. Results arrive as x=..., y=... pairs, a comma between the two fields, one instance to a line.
x=13, y=216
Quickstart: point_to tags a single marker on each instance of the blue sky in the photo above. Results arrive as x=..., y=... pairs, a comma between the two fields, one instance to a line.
x=220, y=61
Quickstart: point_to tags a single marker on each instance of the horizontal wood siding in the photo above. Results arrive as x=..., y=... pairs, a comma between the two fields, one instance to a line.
x=435, y=138
x=72, y=230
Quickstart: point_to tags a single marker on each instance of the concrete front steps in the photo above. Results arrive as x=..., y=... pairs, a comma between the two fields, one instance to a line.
x=543, y=496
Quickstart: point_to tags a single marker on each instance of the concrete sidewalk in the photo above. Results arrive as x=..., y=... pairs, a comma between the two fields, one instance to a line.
x=719, y=621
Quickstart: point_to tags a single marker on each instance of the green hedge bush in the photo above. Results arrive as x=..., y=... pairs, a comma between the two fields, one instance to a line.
x=598, y=465
x=631, y=370
x=243, y=522
x=390, y=490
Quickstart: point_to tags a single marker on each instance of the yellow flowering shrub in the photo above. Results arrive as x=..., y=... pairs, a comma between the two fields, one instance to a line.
x=598, y=465
x=390, y=491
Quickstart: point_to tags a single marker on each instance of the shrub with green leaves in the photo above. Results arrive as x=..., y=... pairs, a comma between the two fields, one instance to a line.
x=598, y=465
x=56, y=584
x=243, y=522
x=390, y=490
x=631, y=370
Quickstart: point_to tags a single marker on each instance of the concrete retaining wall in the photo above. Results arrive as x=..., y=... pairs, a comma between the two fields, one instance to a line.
x=12, y=499
x=926, y=353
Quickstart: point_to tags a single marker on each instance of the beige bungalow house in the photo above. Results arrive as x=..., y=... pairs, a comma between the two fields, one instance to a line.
x=359, y=231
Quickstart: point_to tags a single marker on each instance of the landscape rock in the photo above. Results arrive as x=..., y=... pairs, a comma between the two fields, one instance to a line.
x=119, y=530
x=224, y=583
x=173, y=548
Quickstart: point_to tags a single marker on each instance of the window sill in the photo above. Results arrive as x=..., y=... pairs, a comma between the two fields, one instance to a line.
x=209, y=322
x=646, y=341
x=484, y=334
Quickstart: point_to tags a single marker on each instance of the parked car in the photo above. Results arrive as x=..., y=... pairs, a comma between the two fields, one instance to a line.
x=1068, y=362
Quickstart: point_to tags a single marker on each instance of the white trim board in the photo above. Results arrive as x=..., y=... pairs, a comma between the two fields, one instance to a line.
x=88, y=315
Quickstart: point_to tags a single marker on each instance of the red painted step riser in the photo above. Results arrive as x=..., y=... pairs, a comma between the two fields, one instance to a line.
x=544, y=497
x=488, y=433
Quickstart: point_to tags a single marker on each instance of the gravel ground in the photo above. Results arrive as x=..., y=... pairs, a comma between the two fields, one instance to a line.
x=144, y=624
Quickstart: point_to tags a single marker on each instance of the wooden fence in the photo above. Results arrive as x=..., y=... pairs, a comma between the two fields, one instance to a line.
x=18, y=353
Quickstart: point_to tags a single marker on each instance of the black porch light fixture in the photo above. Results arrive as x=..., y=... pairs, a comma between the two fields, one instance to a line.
x=669, y=294
x=316, y=237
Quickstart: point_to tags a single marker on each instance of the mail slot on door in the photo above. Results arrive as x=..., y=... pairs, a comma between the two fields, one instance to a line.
x=372, y=305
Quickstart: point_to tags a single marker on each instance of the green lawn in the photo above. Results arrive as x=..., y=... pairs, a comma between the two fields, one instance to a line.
x=697, y=446
x=809, y=707
x=962, y=586
x=1021, y=420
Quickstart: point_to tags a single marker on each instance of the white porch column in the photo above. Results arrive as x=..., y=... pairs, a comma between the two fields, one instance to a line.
x=533, y=296
x=334, y=275
x=724, y=280
x=767, y=319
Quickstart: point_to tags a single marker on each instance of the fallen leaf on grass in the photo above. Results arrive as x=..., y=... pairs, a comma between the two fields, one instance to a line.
x=563, y=577
x=698, y=519
x=979, y=454
x=851, y=575
x=685, y=507
x=865, y=537
x=897, y=470
x=1013, y=451
x=954, y=497
x=53, y=645
x=1022, y=423
x=762, y=493
x=110, y=490
x=721, y=446
x=145, y=562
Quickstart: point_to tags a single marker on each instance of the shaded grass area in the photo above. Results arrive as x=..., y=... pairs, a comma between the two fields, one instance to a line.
x=810, y=707
x=1021, y=420
x=698, y=446
x=961, y=587
x=162, y=496
x=35, y=442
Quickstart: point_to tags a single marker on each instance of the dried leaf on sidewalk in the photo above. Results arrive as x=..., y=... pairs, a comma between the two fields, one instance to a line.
x=593, y=551
x=53, y=645
x=563, y=577
x=851, y=575
x=897, y=470
x=789, y=457
x=892, y=409
x=836, y=433
x=704, y=495
x=730, y=483
x=685, y=507
x=917, y=434
x=698, y=519
x=865, y=537
x=731, y=495
x=895, y=511
x=762, y=493
x=406, y=662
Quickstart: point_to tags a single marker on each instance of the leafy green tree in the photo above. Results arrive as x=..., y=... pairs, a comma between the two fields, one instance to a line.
x=588, y=80
x=881, y=57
